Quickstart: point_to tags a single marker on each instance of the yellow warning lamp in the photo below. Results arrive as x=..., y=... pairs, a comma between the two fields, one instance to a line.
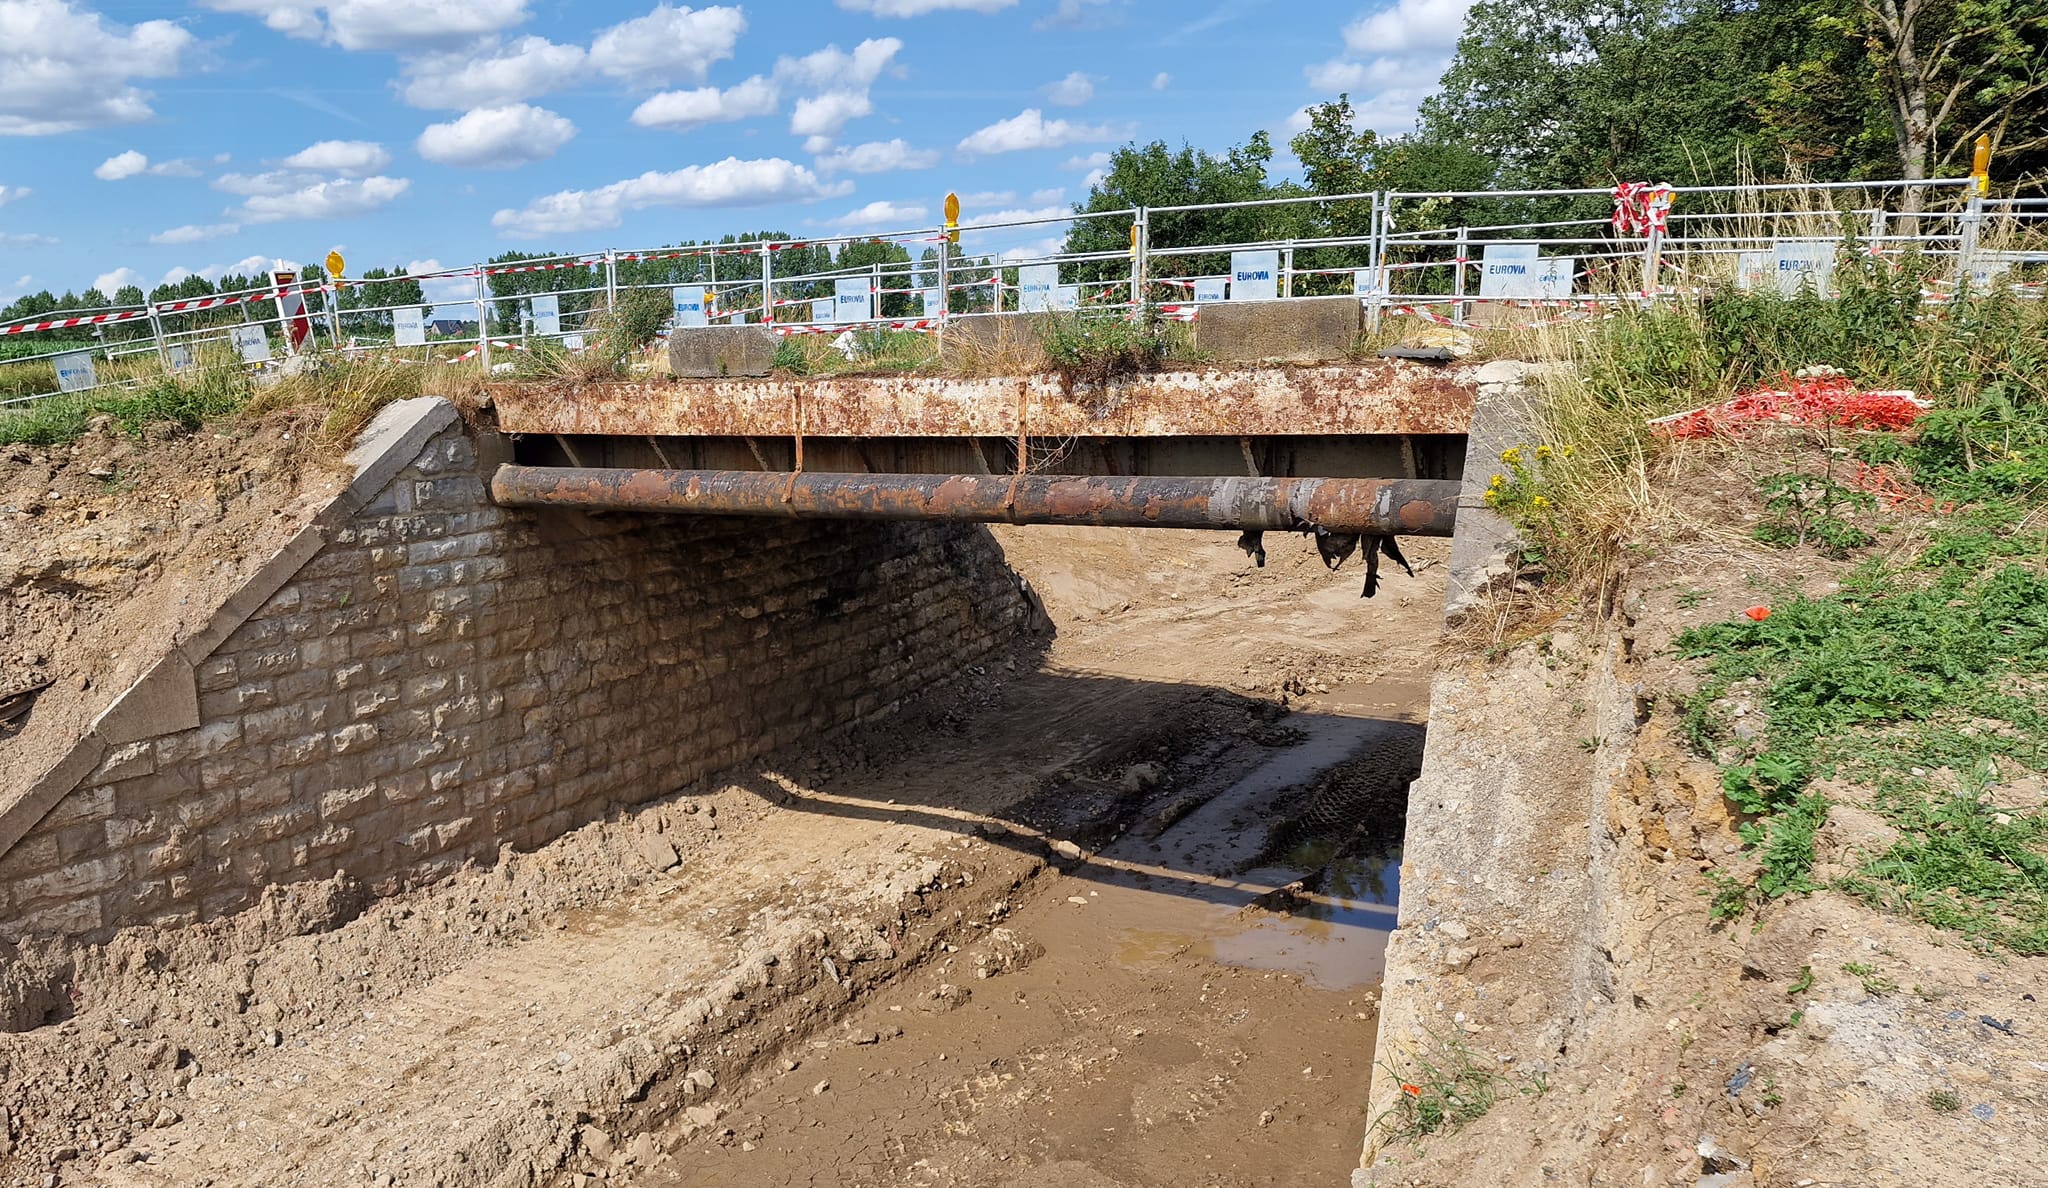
x=335, y=264
x=953, y=219
x=1980, y=165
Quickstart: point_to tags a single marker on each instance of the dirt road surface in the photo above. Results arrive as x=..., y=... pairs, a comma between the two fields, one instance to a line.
x=1106, y=911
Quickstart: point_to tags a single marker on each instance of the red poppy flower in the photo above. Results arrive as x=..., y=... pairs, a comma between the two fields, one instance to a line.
x=1758, y=613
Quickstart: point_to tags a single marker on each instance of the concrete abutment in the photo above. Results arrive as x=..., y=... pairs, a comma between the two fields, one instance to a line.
x=419, y=678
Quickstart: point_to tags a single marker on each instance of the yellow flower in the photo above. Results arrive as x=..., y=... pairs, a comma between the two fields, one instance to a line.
x=1497, y=481
x=1512, y=457
x=1543, y=453
x=1539, y=501
x=1567, y=451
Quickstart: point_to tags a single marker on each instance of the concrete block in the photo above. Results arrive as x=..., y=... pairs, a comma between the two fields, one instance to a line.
x=712, y=352
x=164, y=701
x=1303, y=330
x=394, y=438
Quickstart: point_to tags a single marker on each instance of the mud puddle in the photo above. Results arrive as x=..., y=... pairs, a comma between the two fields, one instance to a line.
x=1193, y=1005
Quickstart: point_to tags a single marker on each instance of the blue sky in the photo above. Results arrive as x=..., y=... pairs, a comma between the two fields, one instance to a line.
x=142, y=141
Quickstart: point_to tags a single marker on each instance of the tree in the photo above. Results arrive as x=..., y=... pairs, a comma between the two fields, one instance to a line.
x=1953, y=69
x=1155, y=176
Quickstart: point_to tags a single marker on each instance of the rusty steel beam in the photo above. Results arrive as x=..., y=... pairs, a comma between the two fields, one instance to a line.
x=1372, y=398
x=1407, y=507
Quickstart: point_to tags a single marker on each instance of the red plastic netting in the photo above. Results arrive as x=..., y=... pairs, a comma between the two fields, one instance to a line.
x=1823, y=400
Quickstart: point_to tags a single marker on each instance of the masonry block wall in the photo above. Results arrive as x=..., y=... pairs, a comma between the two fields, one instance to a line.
x=443, y=677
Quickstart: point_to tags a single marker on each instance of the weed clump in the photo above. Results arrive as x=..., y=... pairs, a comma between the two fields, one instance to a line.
x=1444, y=1088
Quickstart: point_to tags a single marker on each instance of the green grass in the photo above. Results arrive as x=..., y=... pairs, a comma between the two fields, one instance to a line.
x=1923, y=680
x=182, y=402
x=1443, y=1088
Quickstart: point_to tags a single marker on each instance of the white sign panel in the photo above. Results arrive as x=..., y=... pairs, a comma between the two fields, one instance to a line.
x=572, y=342
x=547, y=314
x=1361, y=283
x=1035, y=283
x=1753, y=271
x=1211, y=288
x=1254, y=276
x=1989, y=266
x=1507, y=269
x=75, y=373
x=1525, y=277
x=1803, y=265
x=179, y=356
x=689, y=304
x=409, y=325
x=932, y=304
x=252, y=344
x=1065, y=297
x=853, y=300
x=822, y=310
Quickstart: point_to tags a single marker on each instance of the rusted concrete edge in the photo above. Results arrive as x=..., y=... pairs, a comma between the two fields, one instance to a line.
x=165, y=698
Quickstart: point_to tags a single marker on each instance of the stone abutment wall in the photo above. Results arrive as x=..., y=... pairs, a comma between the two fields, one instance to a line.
x=436, y=678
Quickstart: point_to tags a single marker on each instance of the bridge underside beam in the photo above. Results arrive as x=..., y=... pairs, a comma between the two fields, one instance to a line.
x=1406, y=507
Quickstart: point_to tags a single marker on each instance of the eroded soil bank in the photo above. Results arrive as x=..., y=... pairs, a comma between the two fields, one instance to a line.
x=1105, y=915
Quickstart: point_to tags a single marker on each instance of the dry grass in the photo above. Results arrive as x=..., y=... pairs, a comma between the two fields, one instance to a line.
x=343, y=394
x=994, y=346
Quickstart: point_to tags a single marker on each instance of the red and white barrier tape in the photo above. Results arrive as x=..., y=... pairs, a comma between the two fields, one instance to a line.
x=68, y=323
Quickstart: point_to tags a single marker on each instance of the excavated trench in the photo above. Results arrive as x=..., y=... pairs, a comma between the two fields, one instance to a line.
x=1108, y=911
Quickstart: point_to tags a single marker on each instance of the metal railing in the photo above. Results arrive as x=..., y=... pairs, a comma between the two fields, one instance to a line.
x=1439, y=255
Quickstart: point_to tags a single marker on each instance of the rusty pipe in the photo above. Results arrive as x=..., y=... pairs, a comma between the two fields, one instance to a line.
x=1407, y=507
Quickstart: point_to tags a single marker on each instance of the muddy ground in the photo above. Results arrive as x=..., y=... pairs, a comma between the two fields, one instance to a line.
x=1106, y=911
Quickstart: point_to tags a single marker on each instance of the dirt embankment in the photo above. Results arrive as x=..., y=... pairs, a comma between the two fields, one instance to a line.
x=1812, y=1041
x=1122, y=899
x=111, y=545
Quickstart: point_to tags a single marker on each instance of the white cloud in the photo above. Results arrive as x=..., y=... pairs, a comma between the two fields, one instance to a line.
x=383, y=24
x=731, y=182
x=491, y=74
x=112, y=282
x=1408, y=26
x=121, y=165
x=1049, y=196
x=668, y=43
x=275, y=181
x=1067, y=13
x=63, y=68
x=884, y=214
x=1161, y=81
x=834, y=67
x=26, y=239
x=442, y=290
x=680, y=111
x=496, y=137
x=1029, y=129
x=1094, y=178
x=10, y=193
x=194, y=233
x=879, y=156
x=911, y=8
x=820, y=117
x=1393, y=58
x=133, y=164
x=1018, y=216
x=334, y=198
x=1091, y=161
x=1071, y=91
x=348, y=158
